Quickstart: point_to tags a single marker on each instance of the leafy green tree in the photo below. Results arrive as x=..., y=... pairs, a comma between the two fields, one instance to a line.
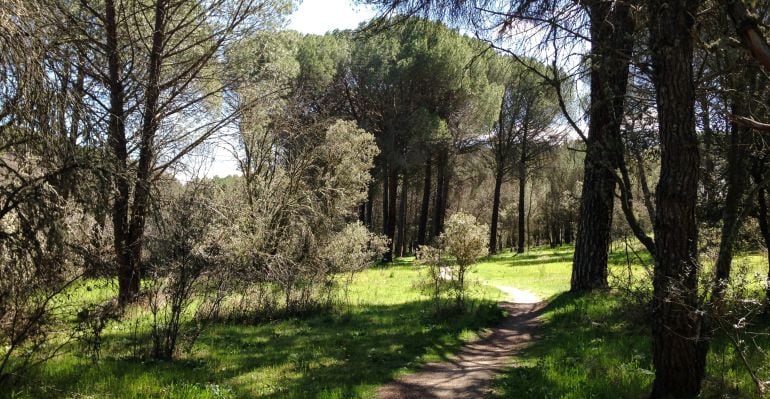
x=409, y=79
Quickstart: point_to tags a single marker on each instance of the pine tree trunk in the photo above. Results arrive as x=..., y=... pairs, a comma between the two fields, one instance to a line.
x=764, y=228
x=385, y=197
x=522, y=187
x=369, y=204
x=612, y=39
x=495, y=211
x=150, y=124
x=737, y=168
x=391, y=221
x=425, y=206
x=679, y=350
x=442, y=187
x=401, y=242
x=128, y=275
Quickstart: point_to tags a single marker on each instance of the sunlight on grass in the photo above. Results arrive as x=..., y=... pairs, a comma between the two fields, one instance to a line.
x=590, y=345
x=386, y=329
x=544, y=272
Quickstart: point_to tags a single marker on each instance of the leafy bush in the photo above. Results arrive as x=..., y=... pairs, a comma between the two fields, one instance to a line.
x=352, y=250
x=289, y=237
x=464, y=241
x=42, y=238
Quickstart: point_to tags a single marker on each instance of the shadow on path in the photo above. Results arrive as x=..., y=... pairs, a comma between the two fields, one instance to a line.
x=470, y=373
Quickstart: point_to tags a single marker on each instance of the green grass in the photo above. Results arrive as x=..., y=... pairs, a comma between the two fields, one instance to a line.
x=588, y=349
x=598, y=345
x=388, y=329
x=544, y=271
x=591, y=346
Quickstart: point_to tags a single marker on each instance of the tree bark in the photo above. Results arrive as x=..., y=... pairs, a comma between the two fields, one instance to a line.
x=679, y=350
x=612, y=40
x=442, y=187
x=765, y=229
x=495, y=210
x=369, y=204
x=128, y=277
x=401, y=242
x=391, y=220
x=385, y=186
x=140, y=205
x=422, y=229
x=737, y=170
x=757, y=173
x=647, y=199
x=522, y=187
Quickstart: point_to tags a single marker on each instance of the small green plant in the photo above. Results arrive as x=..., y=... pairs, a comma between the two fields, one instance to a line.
x=447, y=265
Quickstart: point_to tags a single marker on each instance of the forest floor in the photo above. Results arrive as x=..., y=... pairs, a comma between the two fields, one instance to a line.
x=594, y=345
x=470, y=373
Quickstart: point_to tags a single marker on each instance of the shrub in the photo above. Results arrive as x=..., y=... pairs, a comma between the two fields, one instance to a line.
x=464, y=241
x=352, y=250
x=185, y=256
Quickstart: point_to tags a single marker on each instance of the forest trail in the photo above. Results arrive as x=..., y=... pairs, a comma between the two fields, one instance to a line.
x=470, y=372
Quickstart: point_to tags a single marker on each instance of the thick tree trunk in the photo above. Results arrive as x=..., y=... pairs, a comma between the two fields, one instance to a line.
x=495, y=211
x=391, y=221
x=679, y=350
x=422, y=230
x=141, y=202
x=612, y=39
x=521, y=220
x=402, y=222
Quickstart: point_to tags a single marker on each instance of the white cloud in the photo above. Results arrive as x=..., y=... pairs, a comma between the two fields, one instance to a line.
x=321, y=16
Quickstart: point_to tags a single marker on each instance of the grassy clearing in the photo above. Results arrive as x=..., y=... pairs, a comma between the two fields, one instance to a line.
x=386, y=330
x=592, y=346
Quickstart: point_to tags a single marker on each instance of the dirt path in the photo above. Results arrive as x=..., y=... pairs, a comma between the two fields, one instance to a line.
x=469, y=373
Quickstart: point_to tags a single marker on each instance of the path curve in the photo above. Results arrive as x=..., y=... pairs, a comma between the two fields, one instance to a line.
x=470, y=373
